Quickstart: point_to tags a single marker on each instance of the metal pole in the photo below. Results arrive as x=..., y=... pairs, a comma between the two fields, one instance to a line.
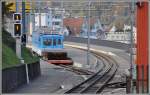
x=18, y=40
x=30, y=22
x=23, y=17
x=131, y=44
x=1, y=42
x=62, y=17
x=149, y=44
x=33, y=17
x=88, y=34
x=17, y=8
x=24, y=32
x=40, y=15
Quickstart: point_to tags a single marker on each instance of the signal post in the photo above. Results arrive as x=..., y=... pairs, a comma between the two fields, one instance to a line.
x=19, y=25
x=17, y=32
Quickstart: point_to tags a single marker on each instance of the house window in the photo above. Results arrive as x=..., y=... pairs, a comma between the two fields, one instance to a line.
x=57, y=17
x=57, y=23
x=54, y=42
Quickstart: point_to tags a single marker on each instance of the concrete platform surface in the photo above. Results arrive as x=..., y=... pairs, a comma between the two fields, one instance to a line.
x=55, y=79
x=51, y=80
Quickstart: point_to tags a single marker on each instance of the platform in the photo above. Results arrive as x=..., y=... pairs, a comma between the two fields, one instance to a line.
x=55, y=79
x=50, y=81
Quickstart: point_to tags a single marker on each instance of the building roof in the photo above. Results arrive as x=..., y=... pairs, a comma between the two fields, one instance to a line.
x=75, y=24
x=91, y=21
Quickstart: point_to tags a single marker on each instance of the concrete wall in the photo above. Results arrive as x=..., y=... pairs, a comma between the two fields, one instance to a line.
x=14, y=77
x=106, y=43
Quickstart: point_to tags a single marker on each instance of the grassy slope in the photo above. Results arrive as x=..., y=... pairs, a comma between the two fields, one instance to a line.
x=28, y=57
x=9, y=57
x=9, y=54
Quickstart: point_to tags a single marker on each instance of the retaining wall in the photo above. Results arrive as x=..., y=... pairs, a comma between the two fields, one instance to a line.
x=14, y=77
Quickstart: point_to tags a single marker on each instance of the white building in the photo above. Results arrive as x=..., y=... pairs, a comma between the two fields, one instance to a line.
x=96, y=29
x=51, y=20
x=122, y=36
x=65, y=31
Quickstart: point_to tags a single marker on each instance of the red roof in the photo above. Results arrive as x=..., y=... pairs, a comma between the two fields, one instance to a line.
x=75, y=24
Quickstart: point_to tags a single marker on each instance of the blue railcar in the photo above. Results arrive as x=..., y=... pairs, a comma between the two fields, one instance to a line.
x=42, y=42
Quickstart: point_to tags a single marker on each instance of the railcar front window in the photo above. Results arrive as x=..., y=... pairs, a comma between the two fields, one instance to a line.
x=47, y=42
x=54, y=42
x=59, y=41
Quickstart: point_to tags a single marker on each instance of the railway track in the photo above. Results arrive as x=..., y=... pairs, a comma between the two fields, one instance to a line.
x=81, y=71
x=76, y=70
x=97, y=82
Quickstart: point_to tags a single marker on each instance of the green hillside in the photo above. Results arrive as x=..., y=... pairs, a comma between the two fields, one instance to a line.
x=9, y=57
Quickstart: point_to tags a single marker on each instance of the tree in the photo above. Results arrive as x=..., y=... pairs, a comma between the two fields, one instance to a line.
x=5, y=12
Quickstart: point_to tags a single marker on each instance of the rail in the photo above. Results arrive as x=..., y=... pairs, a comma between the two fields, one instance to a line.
x=97, y=82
